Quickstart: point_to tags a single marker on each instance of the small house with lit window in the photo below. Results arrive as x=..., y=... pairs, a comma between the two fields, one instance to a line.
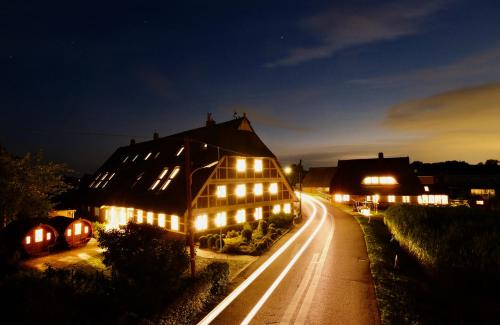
x=381, y=180
x=30, y=237
x=72, y=232
x=235, y=178
x=318, y=179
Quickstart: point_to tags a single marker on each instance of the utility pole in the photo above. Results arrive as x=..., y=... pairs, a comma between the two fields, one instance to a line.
x=189, y=181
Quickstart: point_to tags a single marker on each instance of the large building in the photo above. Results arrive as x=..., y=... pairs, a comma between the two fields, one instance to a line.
x=318, y=179
x=235, y=178
x=381, y=180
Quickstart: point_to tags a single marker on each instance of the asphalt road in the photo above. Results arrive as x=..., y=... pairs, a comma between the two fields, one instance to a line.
x=318, y=274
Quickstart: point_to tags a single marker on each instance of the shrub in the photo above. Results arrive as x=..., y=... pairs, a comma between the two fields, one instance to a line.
x=231, y=248
x=210, y=241
x=281, y=220
x=98, y=228
x=262, y=227
x=218, y=243
x=232, y=234
x=246, y=234
x=203, y=241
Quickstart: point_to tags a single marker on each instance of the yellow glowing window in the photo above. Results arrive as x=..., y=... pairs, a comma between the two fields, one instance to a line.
x=139, y=216
x=201, y=222
x=147, y=156
x=221, y=191
x=240, y=216
x=346, y=198
x=276, y=209
x=241, y=165
x=78, y=228
x=68, y=233
x=174, y=223
x=123, y=216
x=149, y=218
x=171, y=177
x=426, y=188
x=221, y=219
x=376, y=198
x=258, y=189
x=130, y=214
x=379, y=180
x=161, y=220
x=406, y=199
x=338, y=197
x=368, y=198
x=241, y=190
x=48, y=236
x=180, y=151
x=273, y=188
x=163, y=173
x=258, y=213
x=287, y=208
x=38, y=235
x=86, y=229
x=257, y=165
x=391, y=198
x=155, y=184
x=28, y=240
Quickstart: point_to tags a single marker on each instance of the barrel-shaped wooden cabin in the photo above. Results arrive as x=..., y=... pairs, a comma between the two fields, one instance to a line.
x=73, y=232
x=30, y=237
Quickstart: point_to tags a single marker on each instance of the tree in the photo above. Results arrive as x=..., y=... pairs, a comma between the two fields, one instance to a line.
x=28, y=186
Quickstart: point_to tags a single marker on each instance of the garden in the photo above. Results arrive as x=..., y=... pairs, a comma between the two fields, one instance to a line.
x=251, y=238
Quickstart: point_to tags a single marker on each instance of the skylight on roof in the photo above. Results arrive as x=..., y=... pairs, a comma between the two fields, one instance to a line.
x=171, y=177
x=180, y=151
x=125, y=160
x=147, y=156
x=135, y=157
x=157, y=154
x=160, y=177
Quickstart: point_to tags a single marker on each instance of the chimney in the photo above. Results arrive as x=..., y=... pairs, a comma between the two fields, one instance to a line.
x=156, y=136
x=380, y=155
x=210, y=120
x=132, y=142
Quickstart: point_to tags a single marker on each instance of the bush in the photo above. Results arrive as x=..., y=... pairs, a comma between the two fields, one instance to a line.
x=218, y=243
x=210, y=241
x=231, y=248
x=203, y=241
x=281, y=220
x=145, y=260
x=262, y=227
x=98, y=227
x=449, y=240
x=246, y=234
x=232, y=234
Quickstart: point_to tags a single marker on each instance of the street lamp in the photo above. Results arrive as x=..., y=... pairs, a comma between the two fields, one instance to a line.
x=288, y=170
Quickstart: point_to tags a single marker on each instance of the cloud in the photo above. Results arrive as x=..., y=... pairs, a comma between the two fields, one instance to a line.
x=478, y=64
x=462, y=123
x=337, y=29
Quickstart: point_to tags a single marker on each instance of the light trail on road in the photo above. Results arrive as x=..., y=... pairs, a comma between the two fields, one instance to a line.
x=285, y=271
x=236, y=292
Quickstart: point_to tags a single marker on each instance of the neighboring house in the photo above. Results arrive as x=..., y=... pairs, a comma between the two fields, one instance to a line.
x=381, y=180
x=318, y=179
x=236, y=179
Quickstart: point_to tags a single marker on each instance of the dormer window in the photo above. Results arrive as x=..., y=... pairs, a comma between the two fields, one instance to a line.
x=160, y=177
x=171, y=177
x=148, y=155
x=379, y=180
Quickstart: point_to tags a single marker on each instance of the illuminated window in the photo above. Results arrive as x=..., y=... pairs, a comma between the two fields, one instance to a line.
x=479, y=202
x=376, y=198
x=338, y=197
x=346, y=198
x=426, y=188
x=257, y=165
x=258, y=189
x=391, y=198
x=86, y=229
x=240, y=216
x=241, y=190
x=221, y=219
x=368, y=198
x=140, y=218
x=180, y=151
x=432, y=199
x=276, y=209
x=406, y=199
x=287, y=208
x=221, y=191
x=149, y=218
x=78, y=228
x=174, y=223
x=201, y=222
x=241, y=164
x=171, y=177
x=125, y=160
x=157, y=154
x=258, y=213
x=273, y=188
x=379, y=180
x=135, y=157
x=68, y=233
x=38, y=235
x=161, y=220
x=28, y=240
x=112, y=175
x=106, y=183
x=48, y=236
x=122, y=221
x=483, y=191
x=160, y=177
x=147, y=156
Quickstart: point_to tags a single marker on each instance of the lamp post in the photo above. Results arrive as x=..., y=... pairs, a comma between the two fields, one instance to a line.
x=288, y=170
x=189, y=200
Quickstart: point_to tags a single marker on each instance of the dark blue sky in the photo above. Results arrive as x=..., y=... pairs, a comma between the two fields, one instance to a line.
x=319, y=80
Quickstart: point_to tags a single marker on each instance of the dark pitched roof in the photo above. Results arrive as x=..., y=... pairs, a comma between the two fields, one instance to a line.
x=235, y=137
x=319, y=177
x=350, y=174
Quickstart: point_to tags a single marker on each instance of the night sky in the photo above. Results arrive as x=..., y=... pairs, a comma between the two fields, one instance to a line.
x=319, y=80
